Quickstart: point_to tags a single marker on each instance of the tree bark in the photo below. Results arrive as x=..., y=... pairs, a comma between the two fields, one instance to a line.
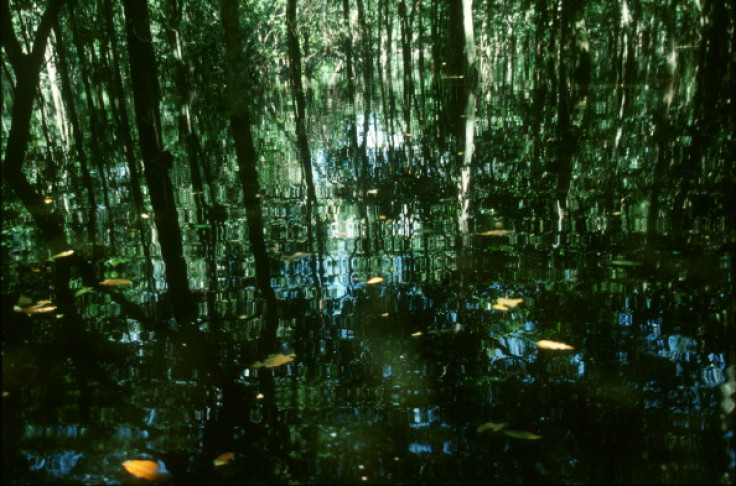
x=240, y=125
x=156, y=161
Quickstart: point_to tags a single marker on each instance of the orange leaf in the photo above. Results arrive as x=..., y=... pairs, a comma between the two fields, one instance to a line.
x=224, y=458
x=143, y=469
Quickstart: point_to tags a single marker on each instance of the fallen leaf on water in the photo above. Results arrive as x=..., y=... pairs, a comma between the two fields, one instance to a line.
x=143, y=469
x=625, y=263
x=374, y=280
x=298, y=254
x=500, y=307
x=116, y=281
x=492, y=426
x=509, y=302
x=497, y=232
x=63, y=254
x=554, y=345
x=372, y=191
x=416, y=334
x=223, y=459
x=274, y=361
x=520, y=434
x=83, y=291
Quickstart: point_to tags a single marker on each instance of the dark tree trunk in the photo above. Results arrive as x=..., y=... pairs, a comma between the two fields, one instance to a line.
x=240, y=125
x=66, y=92
x=156, y=161
x=303, y=143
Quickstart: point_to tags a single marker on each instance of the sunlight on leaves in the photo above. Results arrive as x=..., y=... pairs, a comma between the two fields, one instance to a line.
x=143, y=469
x=63, y=254
x=492, y=426
x=223, y=459
x=374, y=280
x=274, y=361
x=553, y=345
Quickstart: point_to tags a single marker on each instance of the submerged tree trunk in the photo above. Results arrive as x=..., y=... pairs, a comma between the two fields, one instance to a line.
x=156, y=161
x=240, y=125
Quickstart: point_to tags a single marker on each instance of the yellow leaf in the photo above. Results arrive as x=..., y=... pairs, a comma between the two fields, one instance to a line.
x=274, y=361
x=521, y=434
x=223, y=459
x=509, y=302
x=554, y=345
x=374, y=280
x=492, y=426
x=298, y=254
x=496, y=232
x=38, y=310
x=116, y=281
x=143, y=469
x=63, y=254
x=372, y=191
x=416, y=334
x=500, y=307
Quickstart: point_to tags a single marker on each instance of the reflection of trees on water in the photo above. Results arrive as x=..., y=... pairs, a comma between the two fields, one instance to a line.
x=360, y=186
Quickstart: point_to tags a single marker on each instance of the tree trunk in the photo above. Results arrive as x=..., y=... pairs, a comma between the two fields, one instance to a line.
x=156, y=161
x=240, y=126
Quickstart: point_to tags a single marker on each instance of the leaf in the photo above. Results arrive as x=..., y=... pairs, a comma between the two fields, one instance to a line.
x=509, y=302
x=626, y=263
x=553, y=345
x=274, y=361
x=83, y=291
x=116, y=281
x=500, y=307
x=492, y=426
x=298, y=254
x=39, y=310
x=63, y=254
x=143, y=469
x=496, y=232
x=223, y=459
x=520, y=434
x=374, y=280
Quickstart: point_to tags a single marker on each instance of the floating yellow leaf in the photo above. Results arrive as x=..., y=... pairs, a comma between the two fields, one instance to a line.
x=383, y=217
x=492, y=426
x=116, y=281
x=372, y=191
x=374, y=280
x=496, y=232
x=416, y=334
x=509, y=302
x=223, y=459
x=143, y=469
x=500, y=307
x=554, y=345
x=298, y=254
x=48, y=200
x=40, y=310
x=63, y=254
x=274, y=361
x=520, y=434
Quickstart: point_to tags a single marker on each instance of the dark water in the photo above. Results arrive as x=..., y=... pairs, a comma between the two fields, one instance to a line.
x=390, y=381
